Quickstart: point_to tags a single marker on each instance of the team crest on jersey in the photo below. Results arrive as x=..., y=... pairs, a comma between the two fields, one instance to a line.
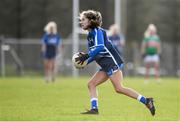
x=91, y=39
x=90, y=42
x=52, y=40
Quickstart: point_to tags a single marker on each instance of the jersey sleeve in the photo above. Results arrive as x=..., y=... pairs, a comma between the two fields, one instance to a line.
x=99, y=43
x=90, y=59
x=44, y=39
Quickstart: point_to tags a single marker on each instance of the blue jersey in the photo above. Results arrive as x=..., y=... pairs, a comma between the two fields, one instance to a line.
x=51, y=39
x=102, y=51
x=51, y=43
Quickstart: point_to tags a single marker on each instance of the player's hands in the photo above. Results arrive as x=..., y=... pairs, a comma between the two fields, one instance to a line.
x=82, y=57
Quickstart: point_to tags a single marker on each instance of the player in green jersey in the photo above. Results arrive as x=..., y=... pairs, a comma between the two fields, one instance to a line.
x=151, y=49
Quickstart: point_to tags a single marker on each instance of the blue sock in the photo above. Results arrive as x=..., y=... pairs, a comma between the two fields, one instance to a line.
x=94, y=103
x=142, y=99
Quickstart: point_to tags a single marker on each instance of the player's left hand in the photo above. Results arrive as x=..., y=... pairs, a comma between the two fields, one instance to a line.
x=82, y=57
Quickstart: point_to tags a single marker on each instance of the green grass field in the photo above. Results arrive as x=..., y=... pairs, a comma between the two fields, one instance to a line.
x=29, y=98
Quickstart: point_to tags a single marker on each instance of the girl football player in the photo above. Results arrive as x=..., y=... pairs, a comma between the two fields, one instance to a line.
x=151, y=51
x=50, y=47
x=101, y=50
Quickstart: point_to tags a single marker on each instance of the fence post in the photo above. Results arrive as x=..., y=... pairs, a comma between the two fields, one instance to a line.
x=2, y=57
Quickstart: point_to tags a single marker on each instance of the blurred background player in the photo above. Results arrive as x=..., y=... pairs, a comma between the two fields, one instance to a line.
x=117, y=38
x=151, y=50
x=102, y=51
x=50, y=48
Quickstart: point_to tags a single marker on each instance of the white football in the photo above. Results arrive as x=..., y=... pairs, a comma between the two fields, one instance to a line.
x=78, y=66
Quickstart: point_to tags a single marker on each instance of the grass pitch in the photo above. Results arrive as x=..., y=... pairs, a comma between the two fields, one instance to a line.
x=30, y=98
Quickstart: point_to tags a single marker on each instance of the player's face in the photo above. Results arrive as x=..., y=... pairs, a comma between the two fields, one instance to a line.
x=152, y=32
x=51, y=30
x=84, y=22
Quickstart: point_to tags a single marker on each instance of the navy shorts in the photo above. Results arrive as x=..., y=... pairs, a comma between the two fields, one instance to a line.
x=107, y=65
x=50, y=52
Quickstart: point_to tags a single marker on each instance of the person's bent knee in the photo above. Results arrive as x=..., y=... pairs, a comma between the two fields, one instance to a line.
x=119, y=90
x=91, y=84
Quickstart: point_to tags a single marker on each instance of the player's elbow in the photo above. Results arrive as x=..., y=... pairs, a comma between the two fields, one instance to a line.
x=96, y=51
x=101, y=47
